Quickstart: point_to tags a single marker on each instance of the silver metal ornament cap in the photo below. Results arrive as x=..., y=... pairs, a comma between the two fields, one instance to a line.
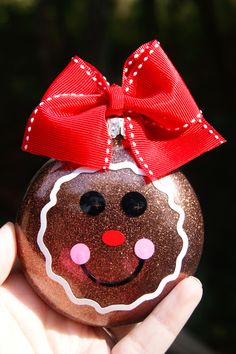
x=116, y=127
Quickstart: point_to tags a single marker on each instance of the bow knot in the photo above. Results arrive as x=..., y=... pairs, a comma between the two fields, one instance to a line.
x=164, y=128
x=116, y=101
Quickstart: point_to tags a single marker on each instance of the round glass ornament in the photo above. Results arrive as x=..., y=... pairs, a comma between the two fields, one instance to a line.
x=104, y=248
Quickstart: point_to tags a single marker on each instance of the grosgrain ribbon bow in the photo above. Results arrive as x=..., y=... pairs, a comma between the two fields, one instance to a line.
x=164, y=127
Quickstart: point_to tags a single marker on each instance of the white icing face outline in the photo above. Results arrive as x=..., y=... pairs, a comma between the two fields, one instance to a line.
x=162, y=186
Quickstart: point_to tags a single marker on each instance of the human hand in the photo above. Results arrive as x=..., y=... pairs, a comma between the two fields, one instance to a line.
x=28, y=325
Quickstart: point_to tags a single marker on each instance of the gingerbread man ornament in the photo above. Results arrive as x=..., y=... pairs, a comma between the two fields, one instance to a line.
x=110, y=225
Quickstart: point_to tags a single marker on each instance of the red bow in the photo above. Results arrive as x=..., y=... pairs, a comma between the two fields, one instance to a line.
x=163, y=126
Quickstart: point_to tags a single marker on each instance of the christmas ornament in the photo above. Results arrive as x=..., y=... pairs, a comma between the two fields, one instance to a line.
x=109, y=226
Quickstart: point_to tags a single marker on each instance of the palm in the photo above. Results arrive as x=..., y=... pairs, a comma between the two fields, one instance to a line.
x=28, y=325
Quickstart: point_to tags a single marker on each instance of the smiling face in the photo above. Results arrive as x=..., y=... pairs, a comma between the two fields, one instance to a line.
x=110, y=240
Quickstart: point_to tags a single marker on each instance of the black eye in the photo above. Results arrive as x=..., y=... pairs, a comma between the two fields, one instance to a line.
x=92, y=203
x=134, y=204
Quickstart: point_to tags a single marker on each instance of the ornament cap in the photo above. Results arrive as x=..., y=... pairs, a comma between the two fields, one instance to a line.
x=116, y=127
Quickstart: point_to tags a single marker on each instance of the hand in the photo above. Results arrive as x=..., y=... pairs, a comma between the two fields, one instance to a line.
x=28, y=325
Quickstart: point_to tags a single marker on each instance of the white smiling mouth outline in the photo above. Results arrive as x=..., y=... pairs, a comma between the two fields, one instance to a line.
x=158, y=184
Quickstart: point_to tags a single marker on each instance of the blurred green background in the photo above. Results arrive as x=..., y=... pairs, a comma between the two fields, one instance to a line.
x=38, y=38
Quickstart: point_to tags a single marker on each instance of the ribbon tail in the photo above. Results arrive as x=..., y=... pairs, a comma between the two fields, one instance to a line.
x=160, y=156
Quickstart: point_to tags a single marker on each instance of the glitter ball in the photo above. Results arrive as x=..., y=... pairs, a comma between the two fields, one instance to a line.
x=96, y=246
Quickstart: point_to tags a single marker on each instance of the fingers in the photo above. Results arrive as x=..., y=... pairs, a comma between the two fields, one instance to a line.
x=156, y=333
x=120, y=332
x=7, y=250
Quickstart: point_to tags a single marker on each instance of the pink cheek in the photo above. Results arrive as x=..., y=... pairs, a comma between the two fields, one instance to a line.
x=144, y=248
x=80, y=253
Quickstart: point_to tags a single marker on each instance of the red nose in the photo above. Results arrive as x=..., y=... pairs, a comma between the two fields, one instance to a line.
x=113, y=238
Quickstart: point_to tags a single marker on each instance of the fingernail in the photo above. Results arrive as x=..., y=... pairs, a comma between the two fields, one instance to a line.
x=196, y=279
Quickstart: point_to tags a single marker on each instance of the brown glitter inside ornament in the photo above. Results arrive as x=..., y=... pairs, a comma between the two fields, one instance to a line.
x=68, y=225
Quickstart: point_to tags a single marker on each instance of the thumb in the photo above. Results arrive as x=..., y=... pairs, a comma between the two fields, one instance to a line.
x=7, y=250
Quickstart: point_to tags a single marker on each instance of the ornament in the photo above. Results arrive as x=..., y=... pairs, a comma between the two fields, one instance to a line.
x=109, y=226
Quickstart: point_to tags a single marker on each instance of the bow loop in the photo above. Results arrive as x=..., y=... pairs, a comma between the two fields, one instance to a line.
x=164, y=127
x=116, y=101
